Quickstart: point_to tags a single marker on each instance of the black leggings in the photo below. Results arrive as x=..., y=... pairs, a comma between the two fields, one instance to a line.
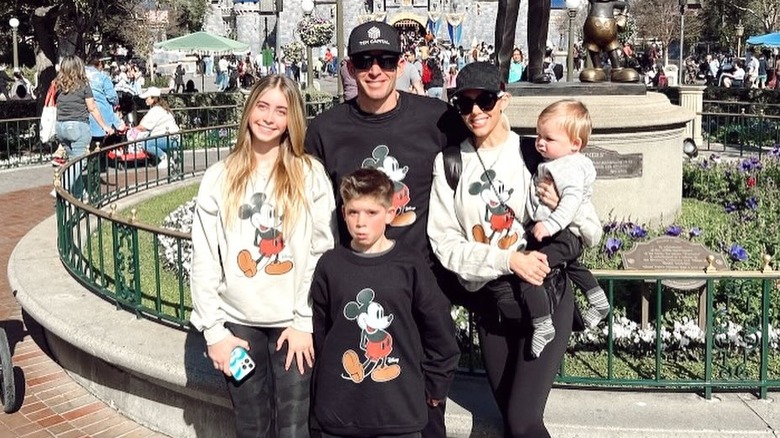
x=270, y=402
x=520, y=383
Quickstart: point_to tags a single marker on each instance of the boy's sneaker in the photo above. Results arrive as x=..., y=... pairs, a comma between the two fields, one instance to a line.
x=58, y=161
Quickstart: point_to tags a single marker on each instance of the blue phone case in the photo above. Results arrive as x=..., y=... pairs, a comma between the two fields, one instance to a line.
x=241, y=365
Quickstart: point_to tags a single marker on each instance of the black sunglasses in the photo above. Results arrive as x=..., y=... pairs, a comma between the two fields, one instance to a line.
x=365, y=62
x=485, y=100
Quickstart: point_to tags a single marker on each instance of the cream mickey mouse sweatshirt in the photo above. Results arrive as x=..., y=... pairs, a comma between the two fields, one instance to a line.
x=251, y=273
x=453, y=217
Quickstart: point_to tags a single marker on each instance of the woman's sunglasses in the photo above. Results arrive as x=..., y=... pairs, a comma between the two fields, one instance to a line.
x=485, y=100
x=365, y=62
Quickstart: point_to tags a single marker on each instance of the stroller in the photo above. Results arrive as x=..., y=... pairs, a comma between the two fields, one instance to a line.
x=132, y=153
x=7, y=383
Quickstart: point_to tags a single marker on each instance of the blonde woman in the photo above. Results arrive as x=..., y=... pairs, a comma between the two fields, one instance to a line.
x=262, y=220
x=75, y=104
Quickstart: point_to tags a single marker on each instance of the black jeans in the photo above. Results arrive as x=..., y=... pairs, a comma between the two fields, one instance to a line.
x=521, y=383
x=270, y=402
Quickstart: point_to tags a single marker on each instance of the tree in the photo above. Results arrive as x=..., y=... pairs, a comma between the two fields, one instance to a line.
x=766, y=13
x=66, y=27
x=660, y=20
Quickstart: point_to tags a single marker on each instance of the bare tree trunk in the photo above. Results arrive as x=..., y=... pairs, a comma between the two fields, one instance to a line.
x=43, y=21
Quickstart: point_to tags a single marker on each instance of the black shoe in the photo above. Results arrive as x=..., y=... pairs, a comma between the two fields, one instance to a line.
x=540, y=79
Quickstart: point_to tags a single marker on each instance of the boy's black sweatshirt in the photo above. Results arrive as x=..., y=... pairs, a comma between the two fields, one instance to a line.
x=384, y=340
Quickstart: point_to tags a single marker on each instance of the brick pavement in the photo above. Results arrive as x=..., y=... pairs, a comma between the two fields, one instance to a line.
x=53, y=405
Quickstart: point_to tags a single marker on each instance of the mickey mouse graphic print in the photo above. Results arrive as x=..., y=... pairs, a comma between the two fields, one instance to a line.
x=500, y=219
x=268, y=243
x=382, y=160
x=375, y=341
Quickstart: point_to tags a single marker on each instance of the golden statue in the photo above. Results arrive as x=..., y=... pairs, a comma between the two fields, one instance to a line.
x=605, y=19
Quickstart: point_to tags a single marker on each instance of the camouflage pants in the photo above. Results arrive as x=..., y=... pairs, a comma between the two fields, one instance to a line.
x=270, y=402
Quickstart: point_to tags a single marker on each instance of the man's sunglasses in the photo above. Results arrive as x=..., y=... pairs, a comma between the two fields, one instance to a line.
x=365, y=62
x=485, y=100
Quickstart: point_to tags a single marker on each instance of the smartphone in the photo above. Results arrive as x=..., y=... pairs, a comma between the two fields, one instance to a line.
x=241, y=365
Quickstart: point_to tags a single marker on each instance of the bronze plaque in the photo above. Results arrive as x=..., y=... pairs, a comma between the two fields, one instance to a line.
x=613, y=165
x=669, y=253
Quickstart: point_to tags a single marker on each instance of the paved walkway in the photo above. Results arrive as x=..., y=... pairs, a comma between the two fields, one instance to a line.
x=52, y=404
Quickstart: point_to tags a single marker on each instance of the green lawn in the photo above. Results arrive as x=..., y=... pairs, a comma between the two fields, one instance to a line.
x=163, y=290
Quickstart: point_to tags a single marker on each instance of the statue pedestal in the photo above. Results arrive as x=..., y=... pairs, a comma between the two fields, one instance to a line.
x=636, y=145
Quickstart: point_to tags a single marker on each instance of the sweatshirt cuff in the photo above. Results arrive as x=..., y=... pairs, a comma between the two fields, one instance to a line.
x=303, y=324
x=438, y=387
x=504, y=258
x=215, y=334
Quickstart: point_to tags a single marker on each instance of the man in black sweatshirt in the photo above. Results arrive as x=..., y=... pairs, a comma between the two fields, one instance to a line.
x=396, y=132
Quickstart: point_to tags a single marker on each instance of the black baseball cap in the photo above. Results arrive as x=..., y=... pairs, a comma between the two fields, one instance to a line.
x=374, y=35
x=478, y=76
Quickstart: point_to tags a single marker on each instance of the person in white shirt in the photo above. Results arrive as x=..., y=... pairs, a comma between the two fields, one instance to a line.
x=158, y=124
x=736, y=78
x=751, y=73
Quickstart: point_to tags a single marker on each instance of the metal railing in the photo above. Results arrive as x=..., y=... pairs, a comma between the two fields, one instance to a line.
x=20, y=143
x=727, y=340
x=734, y=343
x=748, y=132
x=120, y=257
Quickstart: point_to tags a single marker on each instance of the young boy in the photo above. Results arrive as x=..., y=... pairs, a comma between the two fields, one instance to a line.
x=383, y=335
x=562, y=130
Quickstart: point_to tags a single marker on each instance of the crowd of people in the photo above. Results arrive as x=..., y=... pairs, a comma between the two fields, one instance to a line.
x=758, y=70
x=373, y=353
x=95, y=109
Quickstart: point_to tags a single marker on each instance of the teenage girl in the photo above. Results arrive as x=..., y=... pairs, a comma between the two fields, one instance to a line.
x=262, y=220
x=474, y=232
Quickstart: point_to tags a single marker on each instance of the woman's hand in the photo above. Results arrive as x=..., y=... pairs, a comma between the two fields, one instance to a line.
x=540, y=231
x=219, y=353
x=299, y=344
x=548, y=193
x=529, y=266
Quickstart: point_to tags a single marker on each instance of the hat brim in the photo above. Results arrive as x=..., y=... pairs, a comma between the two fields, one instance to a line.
x=368, y=50
x=461, y=90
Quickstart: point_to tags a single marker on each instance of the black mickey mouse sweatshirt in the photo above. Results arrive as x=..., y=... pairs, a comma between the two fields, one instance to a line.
x=402, y=142
x=384, y=341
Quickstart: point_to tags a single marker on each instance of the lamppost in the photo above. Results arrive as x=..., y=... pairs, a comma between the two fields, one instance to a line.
x=571, y=9
x=14, y=22
x=308, y=7
x=681, y=72
x=740, y=31
x=341, y=49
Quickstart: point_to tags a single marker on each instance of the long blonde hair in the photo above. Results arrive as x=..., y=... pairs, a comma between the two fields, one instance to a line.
x=289, y=193
x=72, y=75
